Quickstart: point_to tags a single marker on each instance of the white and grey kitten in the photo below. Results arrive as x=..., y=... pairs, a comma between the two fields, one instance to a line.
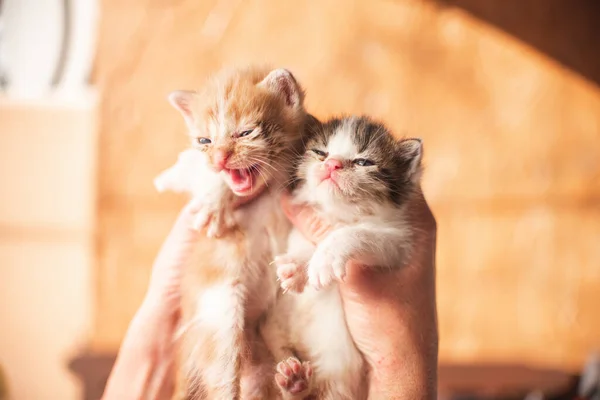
x=359, y=178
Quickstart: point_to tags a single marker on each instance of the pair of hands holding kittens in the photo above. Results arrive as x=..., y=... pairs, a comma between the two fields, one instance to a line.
x=390, y=315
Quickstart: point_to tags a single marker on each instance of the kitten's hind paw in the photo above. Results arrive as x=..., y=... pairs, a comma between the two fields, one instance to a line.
x=294, y=378
x=291, y=273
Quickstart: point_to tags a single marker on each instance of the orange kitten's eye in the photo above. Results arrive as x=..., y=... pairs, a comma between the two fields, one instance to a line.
x=246, y=133
x=203, y=140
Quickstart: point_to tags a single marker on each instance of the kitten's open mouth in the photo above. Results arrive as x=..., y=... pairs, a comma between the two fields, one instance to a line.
x=242, y=181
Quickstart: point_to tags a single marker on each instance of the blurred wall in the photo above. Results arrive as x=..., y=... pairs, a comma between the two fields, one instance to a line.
x=511, y=138
x=47, y=216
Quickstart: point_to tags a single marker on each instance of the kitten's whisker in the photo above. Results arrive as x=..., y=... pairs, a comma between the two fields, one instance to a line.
x=258, y=157
x=262, y=164
x=260, y=172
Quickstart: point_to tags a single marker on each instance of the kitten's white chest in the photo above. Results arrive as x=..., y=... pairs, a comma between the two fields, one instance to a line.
x=327, y=337
x=266, y=229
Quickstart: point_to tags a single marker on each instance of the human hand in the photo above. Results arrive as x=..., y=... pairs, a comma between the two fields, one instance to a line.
x=163, y=297
x=391, y=314
x=143, y=366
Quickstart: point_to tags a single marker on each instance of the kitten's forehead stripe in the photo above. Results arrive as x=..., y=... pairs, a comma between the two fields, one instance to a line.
x=221, y=109
x=238, y=103
x=213, y=127
x=341, y=144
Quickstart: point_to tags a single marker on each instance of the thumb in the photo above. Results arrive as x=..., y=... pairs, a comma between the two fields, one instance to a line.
x=305, y=219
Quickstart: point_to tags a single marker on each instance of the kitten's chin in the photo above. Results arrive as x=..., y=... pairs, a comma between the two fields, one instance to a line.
x=332, y=186
x=325, y=192
x=332, y=192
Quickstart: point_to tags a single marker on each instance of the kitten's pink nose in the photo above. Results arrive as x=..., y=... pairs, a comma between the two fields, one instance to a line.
x=332, y=164
x=220, y=158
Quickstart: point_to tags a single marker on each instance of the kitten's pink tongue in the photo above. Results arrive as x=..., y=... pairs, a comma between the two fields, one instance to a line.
x=241, y=180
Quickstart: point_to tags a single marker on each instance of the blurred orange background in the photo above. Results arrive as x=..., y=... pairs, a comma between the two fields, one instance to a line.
x=505, y=95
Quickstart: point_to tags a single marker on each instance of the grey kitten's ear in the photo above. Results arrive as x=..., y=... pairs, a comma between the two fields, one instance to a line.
x=183, y=101
x=282, y=82
x=411, y=153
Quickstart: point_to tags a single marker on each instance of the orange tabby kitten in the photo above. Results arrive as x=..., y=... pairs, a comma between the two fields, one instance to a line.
x=247, y=127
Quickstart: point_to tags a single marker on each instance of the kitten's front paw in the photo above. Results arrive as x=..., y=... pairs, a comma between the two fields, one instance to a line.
x=291, y=273
x=221, y=222
x=215, y=219
x=293, y=378
x=326, y=266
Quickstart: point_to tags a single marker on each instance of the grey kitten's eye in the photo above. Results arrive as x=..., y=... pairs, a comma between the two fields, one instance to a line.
x=203, y=140
x=363, y=162
x=246, y=133
x=319, y=152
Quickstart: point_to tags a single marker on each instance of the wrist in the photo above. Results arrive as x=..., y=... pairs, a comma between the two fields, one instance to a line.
x=403, y=373
x=152, y=327
x=383, y=373
x=133, y=367
x=144, y=358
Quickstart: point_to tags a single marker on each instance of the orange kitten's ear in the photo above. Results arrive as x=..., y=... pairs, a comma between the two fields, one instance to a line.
x=183, y=101
x=282, y=82
x=411, y=153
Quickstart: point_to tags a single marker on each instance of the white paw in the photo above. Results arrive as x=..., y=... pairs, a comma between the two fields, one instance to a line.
x=325, y=267
x=215, y=219
x=291, y=273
